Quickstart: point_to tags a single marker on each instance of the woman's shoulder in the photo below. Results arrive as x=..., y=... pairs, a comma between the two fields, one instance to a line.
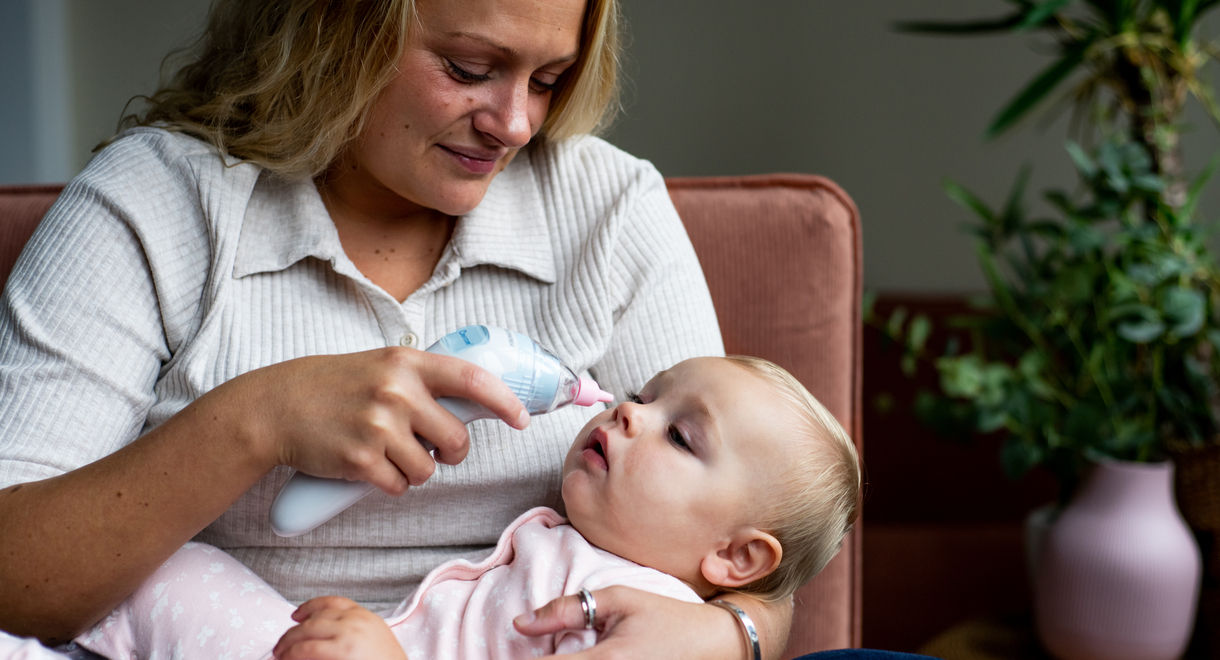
x=590, y=158
x=150, y=143
x=150, y=157
x=158, y=174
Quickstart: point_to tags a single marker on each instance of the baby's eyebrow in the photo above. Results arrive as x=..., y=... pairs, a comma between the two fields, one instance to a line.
x=659, y=376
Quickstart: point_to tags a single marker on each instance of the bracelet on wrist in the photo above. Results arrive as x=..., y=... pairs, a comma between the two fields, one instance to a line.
x=753, y=651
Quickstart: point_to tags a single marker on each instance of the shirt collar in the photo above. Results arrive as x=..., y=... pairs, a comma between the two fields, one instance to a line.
x=286, y=221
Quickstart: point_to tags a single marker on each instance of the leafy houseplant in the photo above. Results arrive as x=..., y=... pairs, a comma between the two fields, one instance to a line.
x=1100, y=334
x=1100, y=331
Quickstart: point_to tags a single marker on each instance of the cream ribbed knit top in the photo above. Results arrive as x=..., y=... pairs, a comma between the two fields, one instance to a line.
x=161, y=273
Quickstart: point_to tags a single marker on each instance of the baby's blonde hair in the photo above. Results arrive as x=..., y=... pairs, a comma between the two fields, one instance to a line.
x=289, y=84
x=816, y=498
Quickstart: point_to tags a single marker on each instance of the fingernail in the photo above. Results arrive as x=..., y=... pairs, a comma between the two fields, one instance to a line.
x=525, y=619
x=523, y=419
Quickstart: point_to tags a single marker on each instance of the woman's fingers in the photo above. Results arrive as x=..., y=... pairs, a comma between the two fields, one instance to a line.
x=362, y=416
x=568, y=613
x=455, y=377
x=466, y=387
x=631, y=623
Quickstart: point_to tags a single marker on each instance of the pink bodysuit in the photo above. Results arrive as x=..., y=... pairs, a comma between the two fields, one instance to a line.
x=204, y=603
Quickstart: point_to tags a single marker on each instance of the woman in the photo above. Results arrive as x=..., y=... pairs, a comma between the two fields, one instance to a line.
x=237, y=286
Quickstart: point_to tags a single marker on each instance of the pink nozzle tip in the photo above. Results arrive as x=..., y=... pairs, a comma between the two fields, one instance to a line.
x=590, y=393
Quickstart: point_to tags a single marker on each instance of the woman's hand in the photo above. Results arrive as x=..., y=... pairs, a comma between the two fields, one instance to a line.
x=638, y=624
x=358, y=416
x=334, y=628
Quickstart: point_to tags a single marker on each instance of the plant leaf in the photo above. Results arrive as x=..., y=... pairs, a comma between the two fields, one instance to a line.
x=1013, y=214
x=1041, y=13
x=1196, y=187
x=1037, y=89
x=893, y=326
x=1141, y=332
x=1183, y=14
x=1213, y=335
x=1083, y=161
x=1018, y=457
x=1186, y=309
x=968, y=199
x=917, y=333
x=963, y=28
x=868, y=305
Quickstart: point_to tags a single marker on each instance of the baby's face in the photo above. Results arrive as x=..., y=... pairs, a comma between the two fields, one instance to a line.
x=666, y=477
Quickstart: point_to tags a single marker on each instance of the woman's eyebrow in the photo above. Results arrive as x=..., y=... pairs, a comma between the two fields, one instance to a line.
x=506, y=51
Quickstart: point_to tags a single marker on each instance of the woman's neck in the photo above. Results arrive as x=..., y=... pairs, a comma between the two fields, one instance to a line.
x=396, y=246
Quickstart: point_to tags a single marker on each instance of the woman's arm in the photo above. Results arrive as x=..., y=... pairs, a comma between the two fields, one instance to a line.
x=75, y=545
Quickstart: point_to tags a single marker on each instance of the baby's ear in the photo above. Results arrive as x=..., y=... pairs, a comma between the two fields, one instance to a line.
x=750, y=555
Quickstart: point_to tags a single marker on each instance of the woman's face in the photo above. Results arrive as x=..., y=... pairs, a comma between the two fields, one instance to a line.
x=474, y=84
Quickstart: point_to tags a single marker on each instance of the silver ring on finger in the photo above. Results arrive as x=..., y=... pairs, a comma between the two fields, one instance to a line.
x=589, y=607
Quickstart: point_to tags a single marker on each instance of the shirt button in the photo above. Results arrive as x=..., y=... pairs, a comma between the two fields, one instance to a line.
x=409, y=340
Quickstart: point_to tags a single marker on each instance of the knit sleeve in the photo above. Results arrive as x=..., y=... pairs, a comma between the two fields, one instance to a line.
x=82, y=333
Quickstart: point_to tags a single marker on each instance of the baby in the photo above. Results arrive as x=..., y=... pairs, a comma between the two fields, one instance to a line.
x=722, y=474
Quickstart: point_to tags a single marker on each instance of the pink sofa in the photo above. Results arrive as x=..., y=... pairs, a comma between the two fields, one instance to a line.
x=782, y=258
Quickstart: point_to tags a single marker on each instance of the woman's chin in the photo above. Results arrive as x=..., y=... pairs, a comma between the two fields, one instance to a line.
x=461, y=201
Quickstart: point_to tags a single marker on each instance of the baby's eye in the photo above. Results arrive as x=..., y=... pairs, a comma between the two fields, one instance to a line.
x=633, y=397
x=675, y=436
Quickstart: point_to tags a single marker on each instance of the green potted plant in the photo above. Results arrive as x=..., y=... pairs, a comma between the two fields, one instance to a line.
x=1098, y=339
x=1100, y=332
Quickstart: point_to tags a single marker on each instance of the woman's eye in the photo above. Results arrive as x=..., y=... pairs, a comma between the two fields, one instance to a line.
x=540, y=87
x=464, y=75
x=675, y=436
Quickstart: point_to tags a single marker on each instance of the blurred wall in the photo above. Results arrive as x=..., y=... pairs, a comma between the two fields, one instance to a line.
x=715, y=87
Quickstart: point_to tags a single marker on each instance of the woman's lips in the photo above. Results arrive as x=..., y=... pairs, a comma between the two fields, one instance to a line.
x=475, y=161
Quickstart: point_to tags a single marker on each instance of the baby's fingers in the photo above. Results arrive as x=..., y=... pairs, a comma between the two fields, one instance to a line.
x=322, y=603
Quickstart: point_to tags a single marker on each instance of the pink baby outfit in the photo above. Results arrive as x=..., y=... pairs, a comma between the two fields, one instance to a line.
x=203, y=603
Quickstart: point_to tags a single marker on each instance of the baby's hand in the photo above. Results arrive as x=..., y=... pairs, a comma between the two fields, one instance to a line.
x=334, y=628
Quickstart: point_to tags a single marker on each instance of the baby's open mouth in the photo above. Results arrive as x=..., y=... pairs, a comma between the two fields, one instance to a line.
x=595, y=450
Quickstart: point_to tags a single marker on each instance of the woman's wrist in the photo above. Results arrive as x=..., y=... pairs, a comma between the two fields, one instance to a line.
x=772, y=621
x=749, y=631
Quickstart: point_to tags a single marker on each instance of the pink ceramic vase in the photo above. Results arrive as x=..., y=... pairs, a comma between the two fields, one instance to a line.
x=1118, y=572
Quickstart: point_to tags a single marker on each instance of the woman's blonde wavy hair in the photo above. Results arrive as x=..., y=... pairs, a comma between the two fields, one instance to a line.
x=288, y=84
x=816, y=500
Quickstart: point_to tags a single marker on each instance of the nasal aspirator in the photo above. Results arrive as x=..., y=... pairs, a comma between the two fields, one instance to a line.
x=539, y=379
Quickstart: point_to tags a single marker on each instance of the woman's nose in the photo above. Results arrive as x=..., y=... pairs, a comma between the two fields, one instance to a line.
x=506, y=119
